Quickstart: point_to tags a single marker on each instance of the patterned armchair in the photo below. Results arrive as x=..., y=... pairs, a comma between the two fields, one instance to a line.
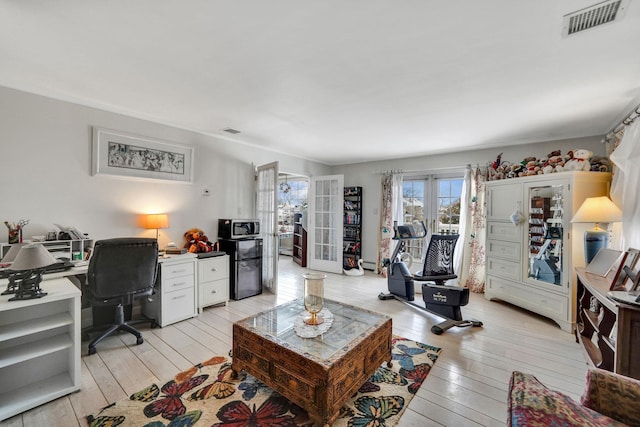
x=609, y=400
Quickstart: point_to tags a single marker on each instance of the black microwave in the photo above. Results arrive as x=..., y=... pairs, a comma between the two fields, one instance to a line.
x=238, y=228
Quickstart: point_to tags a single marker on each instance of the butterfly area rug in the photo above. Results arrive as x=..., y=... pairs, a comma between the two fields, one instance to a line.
x=206, y=395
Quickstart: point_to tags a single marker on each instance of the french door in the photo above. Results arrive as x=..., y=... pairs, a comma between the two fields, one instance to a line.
x=434, y=200
x=324, y=250
x=266, y=211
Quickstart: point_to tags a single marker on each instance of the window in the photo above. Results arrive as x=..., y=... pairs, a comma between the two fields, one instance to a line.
x=434, y=200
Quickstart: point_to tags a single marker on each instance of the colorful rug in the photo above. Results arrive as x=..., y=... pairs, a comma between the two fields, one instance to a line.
x=206, y=395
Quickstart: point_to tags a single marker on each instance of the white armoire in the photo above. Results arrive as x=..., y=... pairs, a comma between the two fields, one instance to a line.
x=532, y=248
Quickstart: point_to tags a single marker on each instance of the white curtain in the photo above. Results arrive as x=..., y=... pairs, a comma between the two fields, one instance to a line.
x=626, y=181
x=397, y=207
x=266, y=209
x=465, y=218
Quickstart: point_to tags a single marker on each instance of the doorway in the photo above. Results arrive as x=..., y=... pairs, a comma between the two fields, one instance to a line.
x=293, y=193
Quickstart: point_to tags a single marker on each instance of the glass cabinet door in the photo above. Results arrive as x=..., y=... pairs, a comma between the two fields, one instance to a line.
x=545, y=233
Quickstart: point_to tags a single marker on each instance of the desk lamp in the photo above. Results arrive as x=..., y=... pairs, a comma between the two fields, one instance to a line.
x=31, y=260
x=596, y=209
x=157, y=221
x=7, y=273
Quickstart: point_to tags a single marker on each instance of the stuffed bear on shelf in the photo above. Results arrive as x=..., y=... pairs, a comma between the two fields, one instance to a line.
x=197, y=241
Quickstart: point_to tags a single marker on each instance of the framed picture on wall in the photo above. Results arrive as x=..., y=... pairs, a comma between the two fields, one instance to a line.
x=138, y=157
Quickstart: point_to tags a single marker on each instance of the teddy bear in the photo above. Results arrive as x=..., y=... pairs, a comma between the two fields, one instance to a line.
x=600, y=164
x=579, y=161
x=554, y=163
x=197, y=241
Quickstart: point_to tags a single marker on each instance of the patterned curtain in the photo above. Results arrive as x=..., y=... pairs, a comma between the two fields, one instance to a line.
x=473, y=261
x=386, y=222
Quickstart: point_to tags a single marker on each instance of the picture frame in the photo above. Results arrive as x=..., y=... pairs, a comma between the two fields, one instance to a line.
x=129, y=156
x=621, y=280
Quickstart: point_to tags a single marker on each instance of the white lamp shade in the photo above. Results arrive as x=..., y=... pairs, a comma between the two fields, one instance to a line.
x=12, y=253
x=598, y=209
x=31, y=257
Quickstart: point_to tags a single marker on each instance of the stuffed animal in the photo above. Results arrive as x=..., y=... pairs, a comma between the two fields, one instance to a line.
x=580, y=161
x=197, y=241
x=600, y=164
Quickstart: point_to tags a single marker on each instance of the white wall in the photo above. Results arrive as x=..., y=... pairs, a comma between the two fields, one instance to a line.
x=367, y=175
x=45, y=165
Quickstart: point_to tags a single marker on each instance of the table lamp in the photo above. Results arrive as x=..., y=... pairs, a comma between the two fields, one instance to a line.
x=596, y=209
x=6, y=262
x=31, y=260
x=157, y=221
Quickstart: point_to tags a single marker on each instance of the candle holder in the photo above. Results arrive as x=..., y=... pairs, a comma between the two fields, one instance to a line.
x=314, y=297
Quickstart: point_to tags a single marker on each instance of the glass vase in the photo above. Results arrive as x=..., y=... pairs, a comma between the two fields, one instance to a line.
x=313, y=297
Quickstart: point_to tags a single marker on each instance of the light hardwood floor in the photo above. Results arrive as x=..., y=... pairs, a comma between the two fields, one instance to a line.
x=467, y=386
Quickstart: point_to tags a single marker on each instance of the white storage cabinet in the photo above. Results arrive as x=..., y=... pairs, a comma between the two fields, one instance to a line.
x=213, y=281
x=531, y=264
x=176, y=291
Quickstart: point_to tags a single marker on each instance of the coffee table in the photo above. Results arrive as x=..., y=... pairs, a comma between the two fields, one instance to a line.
x=319, y=374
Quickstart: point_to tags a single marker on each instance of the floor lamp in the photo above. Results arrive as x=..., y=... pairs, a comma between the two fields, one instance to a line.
x=596, y=210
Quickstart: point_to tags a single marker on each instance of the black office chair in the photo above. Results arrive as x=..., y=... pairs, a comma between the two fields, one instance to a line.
x=120, y=270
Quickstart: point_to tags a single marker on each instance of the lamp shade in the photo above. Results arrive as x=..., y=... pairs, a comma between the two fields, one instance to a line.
x=598, y=209
x=31, y=257
x=12, y=253
x=155, y=221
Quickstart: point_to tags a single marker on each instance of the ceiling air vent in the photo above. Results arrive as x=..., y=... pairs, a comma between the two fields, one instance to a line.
x=593, y=16
x=231, y=131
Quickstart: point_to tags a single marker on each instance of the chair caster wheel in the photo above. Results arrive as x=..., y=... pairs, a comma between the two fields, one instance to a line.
x=139, y=340
x=92, y=350
x=154, y=325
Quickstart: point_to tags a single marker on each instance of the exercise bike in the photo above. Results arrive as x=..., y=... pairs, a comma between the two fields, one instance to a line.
x=439, y=299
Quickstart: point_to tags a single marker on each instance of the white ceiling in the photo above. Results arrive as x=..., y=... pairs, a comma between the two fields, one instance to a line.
x=337, y=81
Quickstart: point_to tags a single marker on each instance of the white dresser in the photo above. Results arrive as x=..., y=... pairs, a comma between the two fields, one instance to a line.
x=213, y=281
x=176, y=290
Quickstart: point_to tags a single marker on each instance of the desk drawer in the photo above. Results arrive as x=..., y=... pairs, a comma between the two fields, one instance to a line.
x=213, y=269
x=176, y=283
x=178, y=305
x=170, y=271
x=214, y=292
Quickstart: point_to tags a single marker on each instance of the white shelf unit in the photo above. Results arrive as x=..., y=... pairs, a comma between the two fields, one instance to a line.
x=213, y=281
x=176, y=291
x=39, y=347
x=61, y=248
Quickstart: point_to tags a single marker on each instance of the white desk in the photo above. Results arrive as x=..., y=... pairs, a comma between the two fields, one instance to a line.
x=39, y=347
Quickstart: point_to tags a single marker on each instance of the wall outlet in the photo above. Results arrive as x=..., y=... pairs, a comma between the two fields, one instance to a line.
x=205, y=192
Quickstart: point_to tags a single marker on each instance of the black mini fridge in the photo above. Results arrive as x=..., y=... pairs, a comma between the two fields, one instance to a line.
x=245, y=257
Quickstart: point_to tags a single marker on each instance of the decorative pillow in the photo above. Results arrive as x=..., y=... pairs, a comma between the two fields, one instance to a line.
x=613, y=395
x=532, y=404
